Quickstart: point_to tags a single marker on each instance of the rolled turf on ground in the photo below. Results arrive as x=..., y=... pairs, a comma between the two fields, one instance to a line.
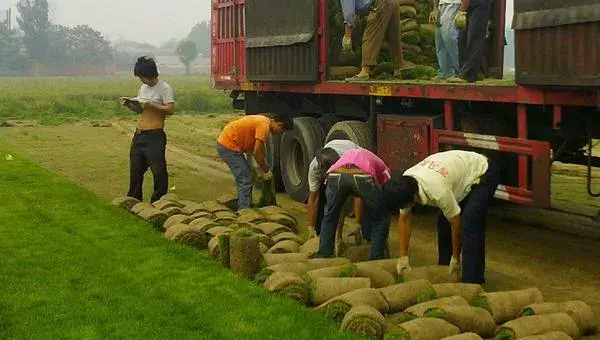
x=79, y=268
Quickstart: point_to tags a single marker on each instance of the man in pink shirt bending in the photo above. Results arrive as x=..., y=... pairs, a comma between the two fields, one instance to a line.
x=361, y=173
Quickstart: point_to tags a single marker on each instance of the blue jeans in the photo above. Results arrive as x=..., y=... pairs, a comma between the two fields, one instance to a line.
x=446, y=41
x=473, y=217
x=240, y=169
x=375, y=220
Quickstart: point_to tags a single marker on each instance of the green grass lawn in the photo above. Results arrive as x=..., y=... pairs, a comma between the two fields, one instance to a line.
x=72, y=267
x=57, y=100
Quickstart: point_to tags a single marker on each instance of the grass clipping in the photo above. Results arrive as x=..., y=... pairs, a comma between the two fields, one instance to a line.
x=365, y=321
x=403, y=295
x=244, y=253
x=538, y=324
x=289, y=285
x=581, y=312
x=422, y=329
x=506, y=306
x=466, y=318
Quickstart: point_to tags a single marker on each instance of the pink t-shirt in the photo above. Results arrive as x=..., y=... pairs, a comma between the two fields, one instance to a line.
x=366, y=161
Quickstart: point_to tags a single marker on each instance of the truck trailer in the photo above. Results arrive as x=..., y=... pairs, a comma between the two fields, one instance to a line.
x=275, y=56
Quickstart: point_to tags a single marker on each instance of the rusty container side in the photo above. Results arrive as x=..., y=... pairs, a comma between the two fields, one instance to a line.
x=403, y=141
x=557, y=46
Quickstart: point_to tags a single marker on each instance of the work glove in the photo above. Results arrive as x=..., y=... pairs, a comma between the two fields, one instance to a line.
x=434, y=17
x=347, y=43
x=267, y=176
x=402, y=264
x=455, y=266
x=460, y=20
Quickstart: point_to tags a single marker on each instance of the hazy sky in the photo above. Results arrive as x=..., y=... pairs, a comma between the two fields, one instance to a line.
x=152, y=21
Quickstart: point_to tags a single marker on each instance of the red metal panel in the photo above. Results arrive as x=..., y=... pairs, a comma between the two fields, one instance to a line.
x=403, y=141
x=522, y=134
x=227, y=31
x=539, y=195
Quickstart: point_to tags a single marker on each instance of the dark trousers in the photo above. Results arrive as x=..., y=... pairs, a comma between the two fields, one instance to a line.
x=148, y=151
x=471, y=41
x=366, y=232
x=339, y=187
x=473, y=224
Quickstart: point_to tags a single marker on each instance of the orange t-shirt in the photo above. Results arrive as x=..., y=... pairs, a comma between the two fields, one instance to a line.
x=240, y=135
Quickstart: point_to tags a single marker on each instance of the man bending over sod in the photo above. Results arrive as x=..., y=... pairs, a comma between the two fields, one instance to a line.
x=248, y=134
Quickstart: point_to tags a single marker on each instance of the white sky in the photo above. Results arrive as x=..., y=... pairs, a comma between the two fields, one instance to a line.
x=153, y=21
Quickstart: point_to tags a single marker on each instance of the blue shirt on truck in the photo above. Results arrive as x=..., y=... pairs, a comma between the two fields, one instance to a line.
x=351, y=7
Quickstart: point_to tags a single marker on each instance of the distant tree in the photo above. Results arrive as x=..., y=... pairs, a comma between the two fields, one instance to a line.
x=78, y=45
x=170, y=45
x=33, y=21
x=187, y=52
x=12, y=59
x=200, y=34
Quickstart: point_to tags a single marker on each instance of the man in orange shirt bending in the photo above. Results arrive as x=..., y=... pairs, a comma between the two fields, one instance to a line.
x=248, y=134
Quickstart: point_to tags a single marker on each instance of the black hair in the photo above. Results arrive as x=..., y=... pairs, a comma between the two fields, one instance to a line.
x=399, y=191
x=284, y=119
x=326, y=157
x=145, y=68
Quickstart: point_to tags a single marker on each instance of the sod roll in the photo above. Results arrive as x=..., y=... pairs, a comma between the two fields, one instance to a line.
x=422, y=329
x=408, y=11
x=335, y=271
x=336, y=308
x=343, y=72
x=214, y=247
x=216, y=231
x=412, y=3
x=466, y=318
x=185, y=234
x=419, y=309
x=581, y=312
x=409, y=25
x=464, y=336
x=506, y=306
x=379, y=277
x=365, y=321
x=433, y=274
x=228, y=200
x=389, y=265
x=125, y=202
x=328, y=262
x=310, y=247
x=263, y=248
x=224, y=255
x=285, y=246
x=214, y=207
x=538, y=324
x=403, y=295
x=203, y=223
x=244, y=253
x=225, y=214
x=283, y=219
x=272, y=229
x=193, y=208
x=138, y=207
x=176, y=219
x=251, y=218
x=171, y=197
x=164, y=204
x=273, y=259
x=325, y=288
x=267, y=240
x=299, y=268
x=154, y=216
x=357, y=253
x=274, y=210
x=288, y=236
x=199, y=214
x=548, y=336
x=289, y=285
x=172, y=211
x=469, y=291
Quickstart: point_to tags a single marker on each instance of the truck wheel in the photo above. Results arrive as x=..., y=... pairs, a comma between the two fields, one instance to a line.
x=353, y=130
x=298, y=148
x=273, y=154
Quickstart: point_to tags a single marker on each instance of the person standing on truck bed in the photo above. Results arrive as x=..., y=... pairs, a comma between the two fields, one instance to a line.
x=462, y=184
x=157, y=101
x=383, y=19
x=358, y=172
x=317, y=168
x=248, y=134
x=446, y=36
x=472, y=21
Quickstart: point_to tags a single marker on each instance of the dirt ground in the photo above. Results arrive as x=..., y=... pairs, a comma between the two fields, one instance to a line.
x=563, y=266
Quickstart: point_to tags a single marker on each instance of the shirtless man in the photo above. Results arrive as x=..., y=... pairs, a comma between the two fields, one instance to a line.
x=149, y=141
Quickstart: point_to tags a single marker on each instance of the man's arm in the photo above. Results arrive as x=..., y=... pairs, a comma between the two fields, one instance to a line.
x=259, y=155
x=436, y=4
x=464, y=5
x=404, y=230
x=313, y=203
x=451, y=210
x=455, y=225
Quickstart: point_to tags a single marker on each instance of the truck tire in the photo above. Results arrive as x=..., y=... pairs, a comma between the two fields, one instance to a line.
x=353, y=130
x=298, y=148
